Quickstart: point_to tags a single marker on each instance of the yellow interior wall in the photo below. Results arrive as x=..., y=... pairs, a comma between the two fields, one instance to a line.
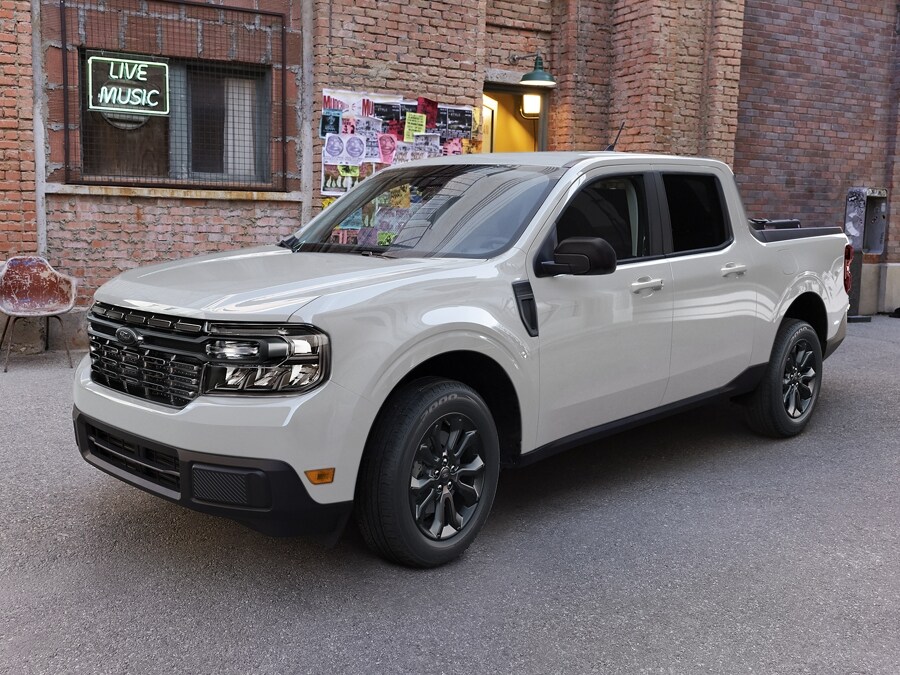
x=511, y=132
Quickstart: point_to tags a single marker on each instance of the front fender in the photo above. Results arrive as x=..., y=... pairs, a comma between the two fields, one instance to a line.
x=470, y=330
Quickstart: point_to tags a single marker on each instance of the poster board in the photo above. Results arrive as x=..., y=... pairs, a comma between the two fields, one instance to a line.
x=374, y=130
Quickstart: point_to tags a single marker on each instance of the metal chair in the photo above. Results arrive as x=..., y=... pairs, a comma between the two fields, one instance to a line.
x=30, y=287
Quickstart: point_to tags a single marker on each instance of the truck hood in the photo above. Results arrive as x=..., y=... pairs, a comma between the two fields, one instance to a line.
x=261, y=284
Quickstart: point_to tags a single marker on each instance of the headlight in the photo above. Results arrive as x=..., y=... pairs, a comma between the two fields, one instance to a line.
x=265, y=359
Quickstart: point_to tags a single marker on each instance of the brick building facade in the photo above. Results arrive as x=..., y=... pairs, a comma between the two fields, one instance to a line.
x=818, y=116
x=801, y=98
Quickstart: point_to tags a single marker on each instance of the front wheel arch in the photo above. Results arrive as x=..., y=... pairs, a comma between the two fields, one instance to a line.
x=493, y=384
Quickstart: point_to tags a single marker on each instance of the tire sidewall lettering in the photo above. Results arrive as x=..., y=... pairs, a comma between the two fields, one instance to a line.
x=443, y=400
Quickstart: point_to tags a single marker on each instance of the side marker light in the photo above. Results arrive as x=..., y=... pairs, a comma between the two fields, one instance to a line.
x=320, y=476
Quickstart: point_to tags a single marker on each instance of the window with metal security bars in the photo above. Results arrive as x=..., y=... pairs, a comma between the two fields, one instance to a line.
x=173, y=94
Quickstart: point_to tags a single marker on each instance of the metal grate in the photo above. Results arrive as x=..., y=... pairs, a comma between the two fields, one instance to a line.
x=156, y=466
x=166, y=93
x=165, y=367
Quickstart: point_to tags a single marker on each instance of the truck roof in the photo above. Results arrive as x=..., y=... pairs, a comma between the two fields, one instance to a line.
x=566, y=159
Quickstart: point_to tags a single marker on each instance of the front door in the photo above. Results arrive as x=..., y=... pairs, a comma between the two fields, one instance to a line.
x=604, y=340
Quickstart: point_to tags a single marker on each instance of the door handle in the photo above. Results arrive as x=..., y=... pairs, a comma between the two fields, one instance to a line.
x=646, y=284
x=733, y=268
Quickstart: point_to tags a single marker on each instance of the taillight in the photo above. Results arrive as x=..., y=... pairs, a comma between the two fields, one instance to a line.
x=848, y=258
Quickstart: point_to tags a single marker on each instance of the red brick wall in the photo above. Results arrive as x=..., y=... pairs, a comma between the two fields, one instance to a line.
x=671, y=72
x=514, y=28
x=413, y=48
x=816, y=106
x=892, y=240
x=99, y=237
x=675, y=74
x=18, y=233
x=637, y=96
x=579, y=113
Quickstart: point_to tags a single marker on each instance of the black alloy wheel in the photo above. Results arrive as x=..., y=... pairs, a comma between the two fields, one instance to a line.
x=799, y=380
x=447, y=477
x=429, y=473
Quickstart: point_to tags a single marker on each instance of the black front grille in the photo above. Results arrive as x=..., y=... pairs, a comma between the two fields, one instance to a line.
x=166, y=364
x=157, y=465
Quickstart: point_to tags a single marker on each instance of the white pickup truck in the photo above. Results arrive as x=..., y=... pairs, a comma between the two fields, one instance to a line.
x=446, y=319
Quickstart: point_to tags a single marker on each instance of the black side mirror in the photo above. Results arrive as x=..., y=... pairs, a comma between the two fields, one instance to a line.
x=581, y=255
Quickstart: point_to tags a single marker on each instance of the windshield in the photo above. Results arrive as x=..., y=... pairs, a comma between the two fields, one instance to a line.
x=456, y=211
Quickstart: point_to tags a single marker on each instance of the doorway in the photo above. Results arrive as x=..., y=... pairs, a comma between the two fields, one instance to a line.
x=514, y=120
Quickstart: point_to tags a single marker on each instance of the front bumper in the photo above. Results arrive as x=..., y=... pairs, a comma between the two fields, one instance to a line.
x=266, y=495
x=279, y=437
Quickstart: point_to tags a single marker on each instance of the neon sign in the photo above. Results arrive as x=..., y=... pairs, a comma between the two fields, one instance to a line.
x=128, y=85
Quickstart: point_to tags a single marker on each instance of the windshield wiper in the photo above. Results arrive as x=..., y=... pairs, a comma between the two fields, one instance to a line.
x=288, y=242
x=295, y=245
x=376, y=251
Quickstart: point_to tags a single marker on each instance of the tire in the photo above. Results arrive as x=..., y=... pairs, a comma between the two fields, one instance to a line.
x=429, y=473
x=785, y=399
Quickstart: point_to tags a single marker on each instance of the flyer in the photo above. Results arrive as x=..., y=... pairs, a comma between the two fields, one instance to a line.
x=369, y=124
x=426, y=146
x=455, y=122
x=343, y=149
x=393, y=116
x=453, y=146
x=415, y=124
x=404, y=153
x=330, y=122
x=337, y=178
x=370, y=128
x=429, y=108
x=387, y=146
x=348, y=124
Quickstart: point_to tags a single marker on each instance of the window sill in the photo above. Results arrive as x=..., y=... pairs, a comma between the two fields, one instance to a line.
x=172, y=193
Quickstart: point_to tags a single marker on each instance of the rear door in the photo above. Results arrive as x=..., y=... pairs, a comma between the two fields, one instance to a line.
x=714, y=299
x=604, y=340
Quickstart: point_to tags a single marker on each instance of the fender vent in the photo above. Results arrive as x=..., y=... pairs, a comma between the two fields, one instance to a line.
x=527, y=306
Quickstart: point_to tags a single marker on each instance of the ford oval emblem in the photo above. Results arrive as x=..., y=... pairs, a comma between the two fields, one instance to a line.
x=127, y=337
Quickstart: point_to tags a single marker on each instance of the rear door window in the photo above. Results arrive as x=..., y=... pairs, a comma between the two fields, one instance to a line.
x=696, y=212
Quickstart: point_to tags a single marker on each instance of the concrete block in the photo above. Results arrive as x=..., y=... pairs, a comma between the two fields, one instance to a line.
x=28, y=335
x=889, y=287
x=868, y=289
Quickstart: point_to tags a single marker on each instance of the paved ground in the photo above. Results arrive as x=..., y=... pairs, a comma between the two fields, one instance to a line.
x=689, y=546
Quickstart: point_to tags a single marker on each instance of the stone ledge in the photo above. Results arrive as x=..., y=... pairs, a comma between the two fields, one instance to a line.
x=172, y=193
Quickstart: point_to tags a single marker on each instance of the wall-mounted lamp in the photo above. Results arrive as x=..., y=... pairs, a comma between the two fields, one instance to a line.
x=537, y=77
x=531, y=106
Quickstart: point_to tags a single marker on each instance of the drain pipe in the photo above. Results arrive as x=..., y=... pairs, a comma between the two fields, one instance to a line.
x=39, y=131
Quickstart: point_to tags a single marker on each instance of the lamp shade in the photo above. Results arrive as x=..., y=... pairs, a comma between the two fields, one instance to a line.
x=538, y=77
